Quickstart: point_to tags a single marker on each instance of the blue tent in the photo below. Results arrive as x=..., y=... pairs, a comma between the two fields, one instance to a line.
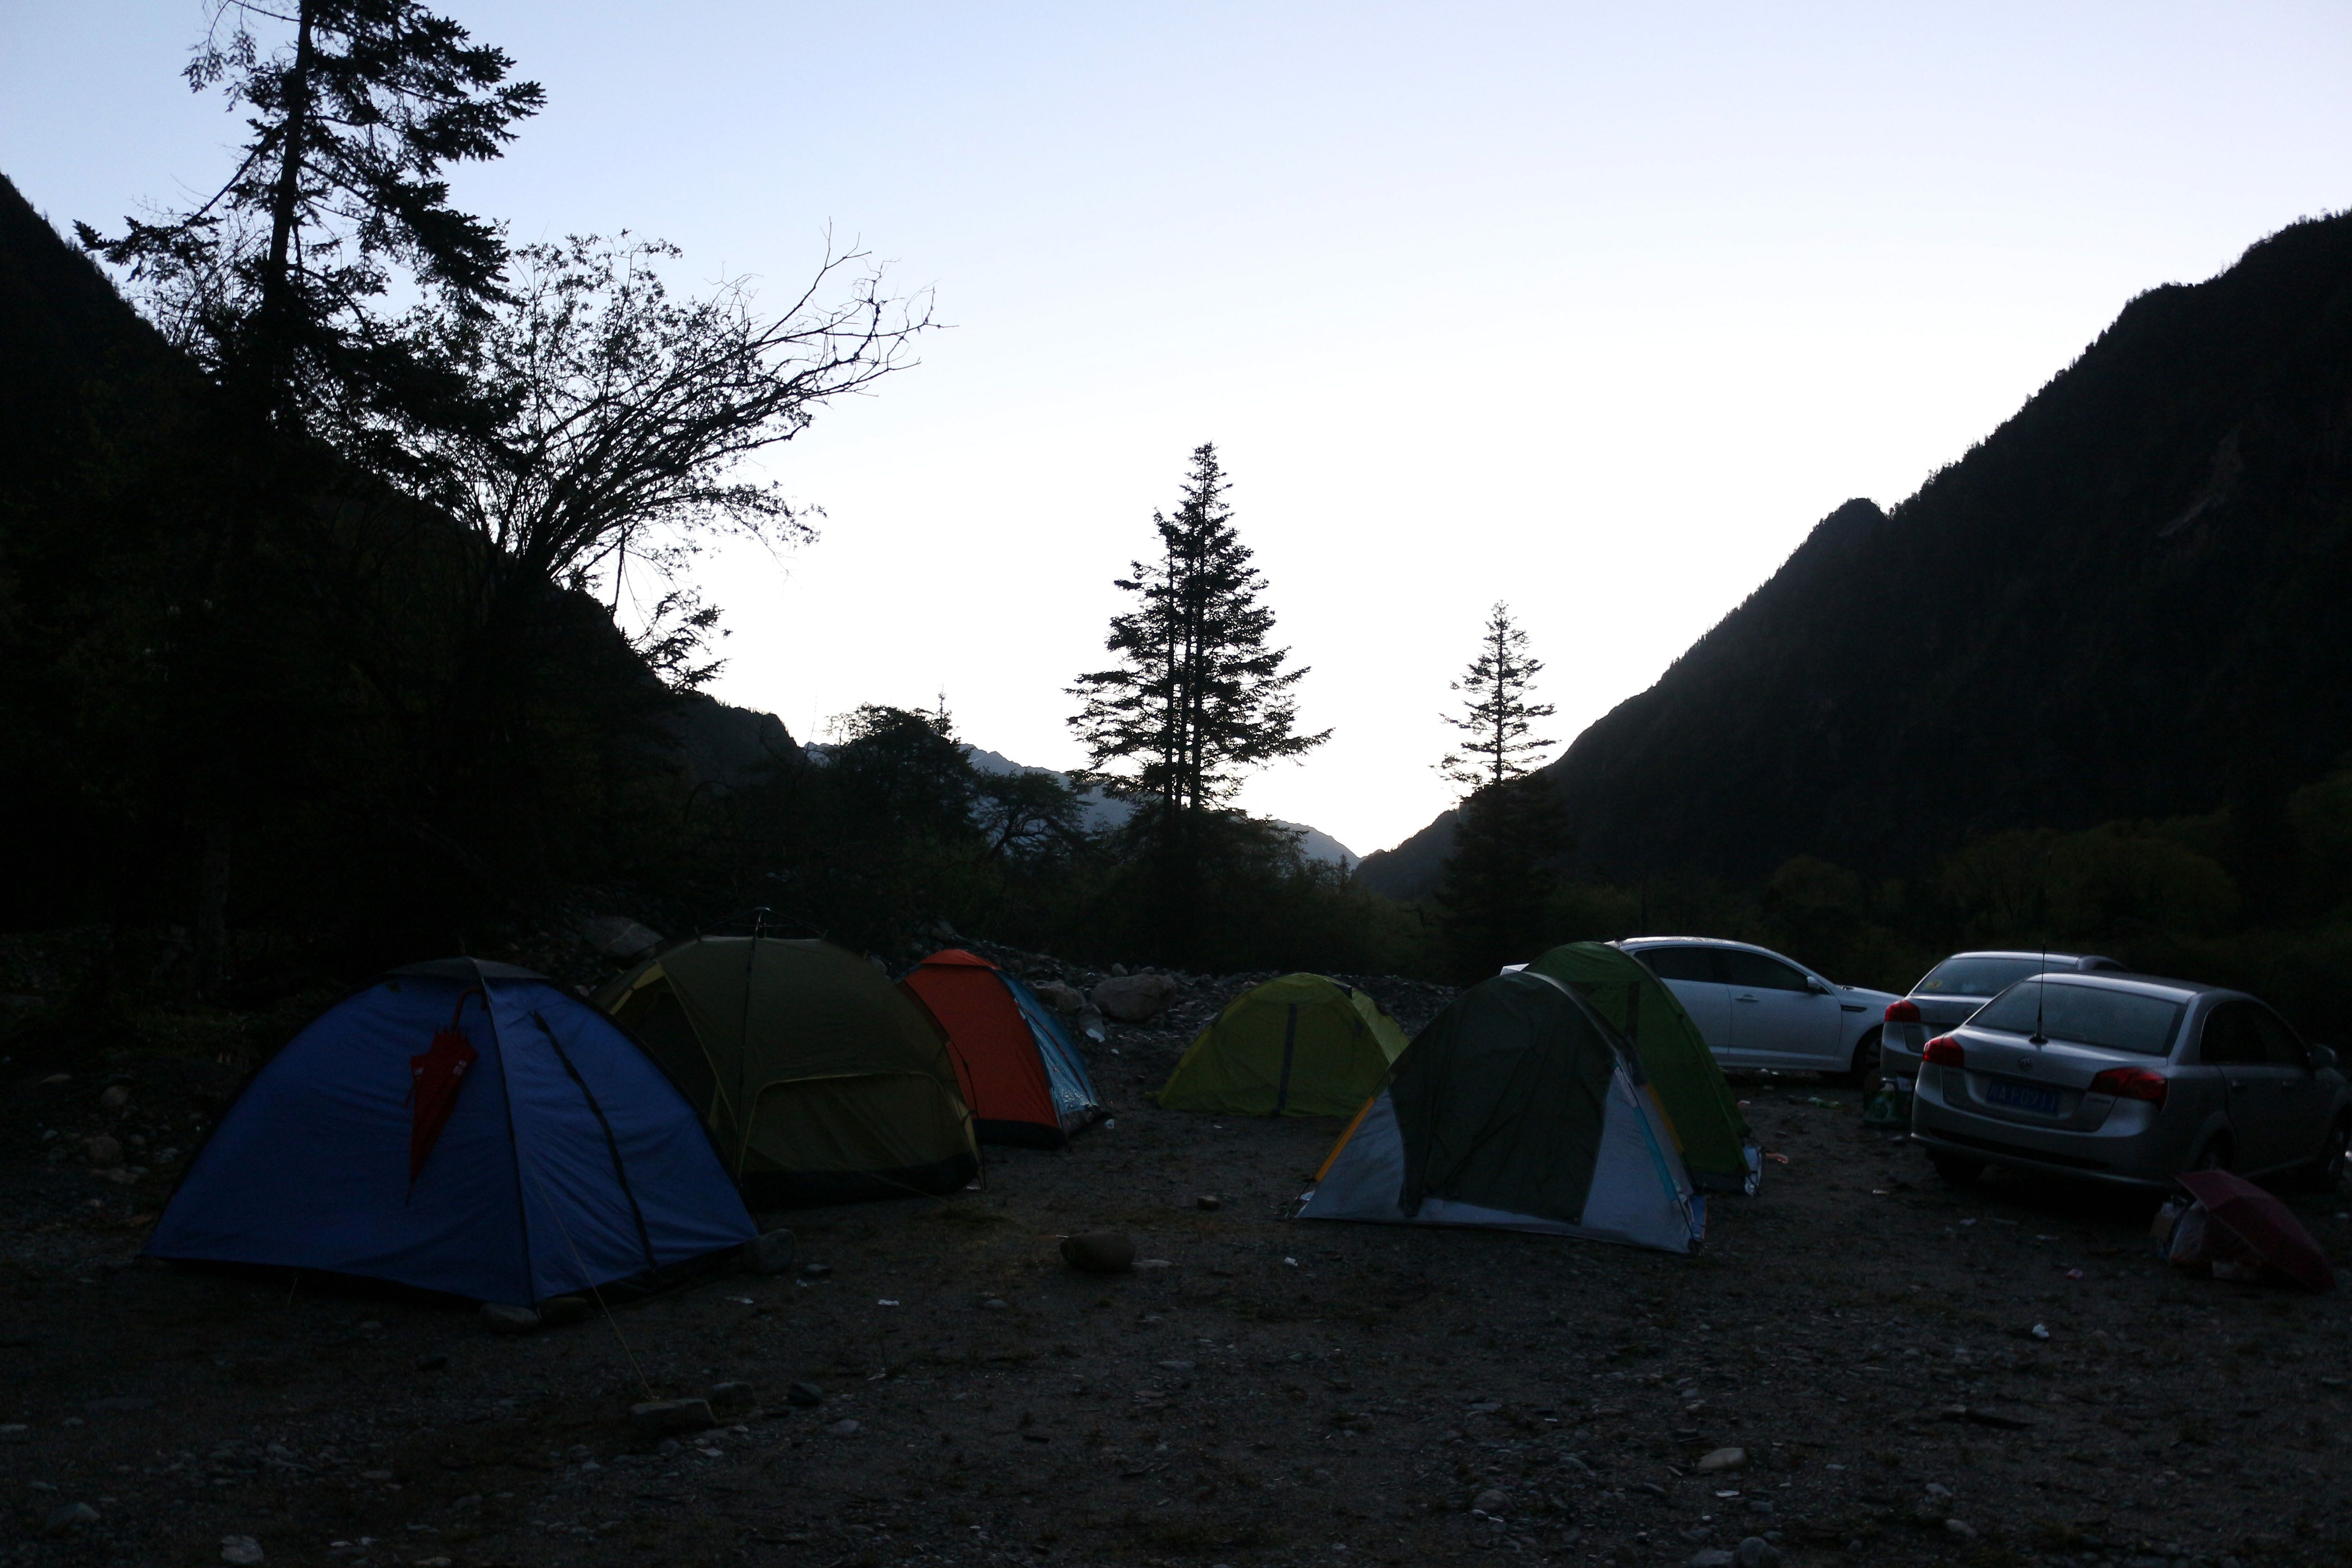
x=458, y=1126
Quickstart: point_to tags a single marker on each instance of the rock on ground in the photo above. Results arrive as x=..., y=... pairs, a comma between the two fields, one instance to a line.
x=1099, y=1252
x=1134, y=998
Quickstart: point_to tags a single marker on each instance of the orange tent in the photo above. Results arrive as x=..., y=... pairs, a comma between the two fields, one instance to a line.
x=1023, y=1078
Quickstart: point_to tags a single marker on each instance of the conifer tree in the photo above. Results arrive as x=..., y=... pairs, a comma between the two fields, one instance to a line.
x=275, y=284
x=277, y=280
x=1497, y=717
x=1497, y=882
x=1197, y=699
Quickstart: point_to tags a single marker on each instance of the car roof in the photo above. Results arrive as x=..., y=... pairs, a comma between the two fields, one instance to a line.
x=1692, y=941
x=2033, y=954
x=2140, y=985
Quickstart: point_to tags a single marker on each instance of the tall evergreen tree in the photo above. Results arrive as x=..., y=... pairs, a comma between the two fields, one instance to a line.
x=277, y=280
x=1509, y=827
x=278, y=285
x=1198, y=697
x=1497, y=717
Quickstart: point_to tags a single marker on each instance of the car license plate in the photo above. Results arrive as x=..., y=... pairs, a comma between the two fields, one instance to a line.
x=2022, y=1096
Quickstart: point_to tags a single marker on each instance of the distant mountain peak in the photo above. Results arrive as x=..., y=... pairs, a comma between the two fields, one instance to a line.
x=2125, y=601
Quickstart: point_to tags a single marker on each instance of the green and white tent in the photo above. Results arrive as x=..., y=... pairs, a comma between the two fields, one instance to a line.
x=1300, y=1044
x=1519, y=1109
x=1689, y=1083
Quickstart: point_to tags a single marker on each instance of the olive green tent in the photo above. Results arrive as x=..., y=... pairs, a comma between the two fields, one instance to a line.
x=1675, y=1058
x=1302, y=1044
x=821, y=1081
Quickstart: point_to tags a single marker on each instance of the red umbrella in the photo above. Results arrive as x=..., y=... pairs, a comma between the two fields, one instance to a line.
x=434, y=1079
x=2263, y=1223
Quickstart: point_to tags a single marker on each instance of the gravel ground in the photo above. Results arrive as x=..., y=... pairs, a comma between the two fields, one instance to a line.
x=1274, y=1393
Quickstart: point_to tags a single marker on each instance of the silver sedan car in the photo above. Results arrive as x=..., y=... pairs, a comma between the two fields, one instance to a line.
x=2129, y=1080
x=1957, y=987
x=1756, y=1008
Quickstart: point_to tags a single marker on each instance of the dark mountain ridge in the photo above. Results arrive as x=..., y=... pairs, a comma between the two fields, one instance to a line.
x=2129, y=601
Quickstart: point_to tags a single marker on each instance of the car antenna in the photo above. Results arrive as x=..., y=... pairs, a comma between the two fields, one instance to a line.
x=2041, y=989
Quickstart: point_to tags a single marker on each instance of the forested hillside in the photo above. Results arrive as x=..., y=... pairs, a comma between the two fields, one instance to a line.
x=2127, y=602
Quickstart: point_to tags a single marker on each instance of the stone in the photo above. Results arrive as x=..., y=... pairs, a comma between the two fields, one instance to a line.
x=668, y=1417
x=1134, y=998
x=617, y=936
x=731, y=1398
x=70, y=1516
x=1723, y=1459
x=1713, y=1557
x=1960, y=1529
x=995, y=1304
x=103, y=1151
x=1493, y=1499
x=1059, y=996
x=769, y=1253
x=844, y=1428
x=557, y=1311
x=1099, y=1252
x=15, y=1432
x=1090, y=1024
x=502, y=1319
x=240, y=1549
x=116, y=1097
x=1209, y=1201
x=1757, y=1552
x=815, y=1270
x=804, y=1395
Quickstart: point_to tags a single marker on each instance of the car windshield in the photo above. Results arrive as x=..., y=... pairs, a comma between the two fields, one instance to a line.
x=1967, y=976
x=2085, y=1014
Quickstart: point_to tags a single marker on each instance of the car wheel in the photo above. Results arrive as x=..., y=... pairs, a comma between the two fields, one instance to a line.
x=1863, y=1073
x=1957, y=1169
x=2325, y=1172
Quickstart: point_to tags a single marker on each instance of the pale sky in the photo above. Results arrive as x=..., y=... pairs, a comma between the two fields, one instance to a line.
x=1596, y=309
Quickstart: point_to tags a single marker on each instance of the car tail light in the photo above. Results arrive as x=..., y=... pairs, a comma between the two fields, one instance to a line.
x=1905, y=1012
x=1943, y=1051
x=2131, y=1083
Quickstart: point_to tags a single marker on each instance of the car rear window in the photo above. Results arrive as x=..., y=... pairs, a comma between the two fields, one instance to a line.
x=2087, y=1016
x=1975, y=976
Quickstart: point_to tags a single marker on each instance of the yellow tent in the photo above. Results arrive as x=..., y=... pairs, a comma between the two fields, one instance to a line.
x=1302, y=1044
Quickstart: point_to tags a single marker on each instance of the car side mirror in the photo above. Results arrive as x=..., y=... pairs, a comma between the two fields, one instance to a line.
x=1817, y=987
x=2322, y=1059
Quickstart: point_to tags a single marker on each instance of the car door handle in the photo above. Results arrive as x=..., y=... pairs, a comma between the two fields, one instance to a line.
x=1744, y=998
x=2239, y=1083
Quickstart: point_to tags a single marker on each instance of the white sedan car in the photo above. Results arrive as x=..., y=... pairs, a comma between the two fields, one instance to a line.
x=1758, y=1009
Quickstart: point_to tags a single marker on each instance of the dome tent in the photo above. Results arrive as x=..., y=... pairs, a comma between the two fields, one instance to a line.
x=1688, y=1080
x=464, y=1127
x=1021, y=1076
x=821, y=1081
x=1515, y=1109
x=1300, y=1044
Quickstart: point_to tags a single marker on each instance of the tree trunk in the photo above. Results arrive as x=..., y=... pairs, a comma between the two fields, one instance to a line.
x=267, y=368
